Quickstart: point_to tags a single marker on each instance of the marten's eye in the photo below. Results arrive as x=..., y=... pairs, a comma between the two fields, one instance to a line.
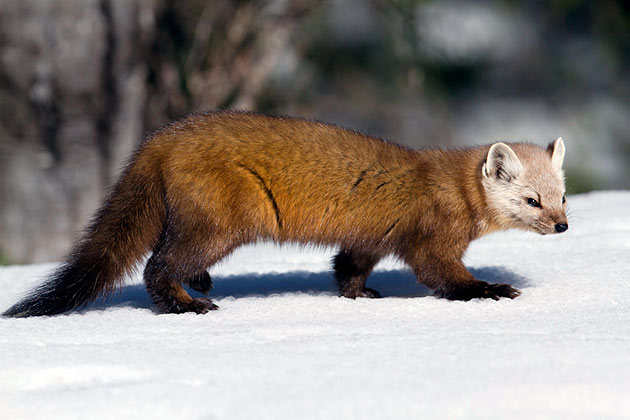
x=564, y=200
x=533, y=202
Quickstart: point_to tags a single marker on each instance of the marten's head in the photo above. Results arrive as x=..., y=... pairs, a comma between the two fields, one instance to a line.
x=524, y=186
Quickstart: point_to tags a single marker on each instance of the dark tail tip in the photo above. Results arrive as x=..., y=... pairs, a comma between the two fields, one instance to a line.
x=44, y=300
x=31, y=305
x=70, y=287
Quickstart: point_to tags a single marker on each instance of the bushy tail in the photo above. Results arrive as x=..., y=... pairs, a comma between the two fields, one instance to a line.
x=123, y=230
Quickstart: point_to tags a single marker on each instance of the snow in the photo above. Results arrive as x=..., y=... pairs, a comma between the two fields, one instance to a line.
x=284, y=346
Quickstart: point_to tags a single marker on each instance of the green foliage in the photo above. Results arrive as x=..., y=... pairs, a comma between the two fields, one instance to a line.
x=580, y=181
x=4, y=259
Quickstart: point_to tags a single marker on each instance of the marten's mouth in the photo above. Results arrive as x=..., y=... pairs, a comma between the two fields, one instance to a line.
x=541, y=228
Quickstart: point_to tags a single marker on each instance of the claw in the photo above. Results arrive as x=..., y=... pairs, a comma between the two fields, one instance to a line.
x=202, y=306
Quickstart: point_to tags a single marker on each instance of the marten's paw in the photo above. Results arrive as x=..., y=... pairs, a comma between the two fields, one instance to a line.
x=365, y=293
x=201, y=283
x=198, y=306
x=370, y=293
x=202, y=306
x=481, y=290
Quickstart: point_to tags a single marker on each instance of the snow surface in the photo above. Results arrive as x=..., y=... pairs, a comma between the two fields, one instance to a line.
x=284, y=346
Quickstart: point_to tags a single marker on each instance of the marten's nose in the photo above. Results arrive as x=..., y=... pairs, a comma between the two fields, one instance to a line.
x=561, y=227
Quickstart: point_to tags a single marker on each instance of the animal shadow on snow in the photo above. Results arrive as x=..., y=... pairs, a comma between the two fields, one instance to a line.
x=393, y=283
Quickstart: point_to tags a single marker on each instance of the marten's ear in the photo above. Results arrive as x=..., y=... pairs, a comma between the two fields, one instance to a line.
x=502, y=163
x=556, y=150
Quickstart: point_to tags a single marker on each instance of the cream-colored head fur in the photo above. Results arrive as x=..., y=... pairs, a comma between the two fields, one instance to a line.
x=524, y=186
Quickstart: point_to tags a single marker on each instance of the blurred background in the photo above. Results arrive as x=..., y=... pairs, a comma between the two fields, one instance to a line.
x=82, y=81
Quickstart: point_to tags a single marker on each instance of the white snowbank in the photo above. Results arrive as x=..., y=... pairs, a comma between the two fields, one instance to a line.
x=283, y=345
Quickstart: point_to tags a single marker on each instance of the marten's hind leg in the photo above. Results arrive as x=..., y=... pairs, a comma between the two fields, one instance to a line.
x=182, y=256
x=164, y=280
x=352, y=269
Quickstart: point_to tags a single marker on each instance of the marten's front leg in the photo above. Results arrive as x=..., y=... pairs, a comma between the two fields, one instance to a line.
x=449, y=278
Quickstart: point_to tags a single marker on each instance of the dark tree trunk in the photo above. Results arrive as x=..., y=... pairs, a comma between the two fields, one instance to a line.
x=82, y=80
x=72, y=100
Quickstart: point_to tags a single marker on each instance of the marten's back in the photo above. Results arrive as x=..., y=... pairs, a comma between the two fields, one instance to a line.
x=299, y=180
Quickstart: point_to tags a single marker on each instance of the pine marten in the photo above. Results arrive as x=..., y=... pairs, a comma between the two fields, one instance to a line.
x=200, y=187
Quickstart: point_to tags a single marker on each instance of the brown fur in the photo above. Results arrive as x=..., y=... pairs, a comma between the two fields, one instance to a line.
x=205, y=185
